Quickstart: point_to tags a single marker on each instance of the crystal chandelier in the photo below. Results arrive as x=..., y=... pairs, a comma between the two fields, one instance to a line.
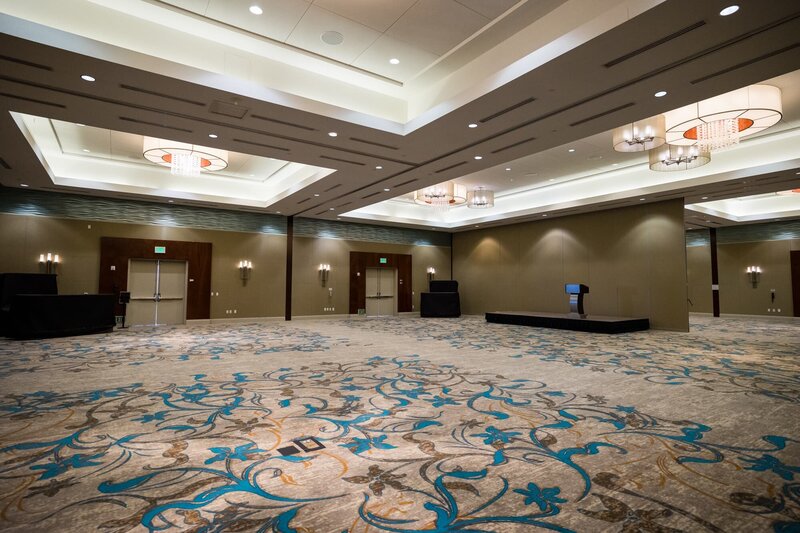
x=641, y=135
x=442, y=195
x=670, y=158
x=184, y=159
x=721, y=121
x=480, y=198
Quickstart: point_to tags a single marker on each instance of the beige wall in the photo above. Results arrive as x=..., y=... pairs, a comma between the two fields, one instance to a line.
x=23, y=238
x=736, y=293
x=311, y=298
x=632, y=259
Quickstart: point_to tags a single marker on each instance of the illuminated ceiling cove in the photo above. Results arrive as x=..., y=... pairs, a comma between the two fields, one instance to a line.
x=343, y=109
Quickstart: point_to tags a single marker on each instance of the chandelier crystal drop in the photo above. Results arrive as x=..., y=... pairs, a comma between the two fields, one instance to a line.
x=718, y=134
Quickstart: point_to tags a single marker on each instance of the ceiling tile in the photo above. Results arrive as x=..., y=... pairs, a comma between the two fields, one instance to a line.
x=376, y=59
x=437, y=25
x=74, y=139
x=308, y=35
x=127, y=147
x=277, y=22
x=377, y=14
x=489, y=8
x=195, y=6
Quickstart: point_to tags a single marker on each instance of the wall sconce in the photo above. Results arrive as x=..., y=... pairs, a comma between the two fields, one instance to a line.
x=50, y=262
x=244, y=269
x=324, y=271
x=431, y=273
x=754, y=273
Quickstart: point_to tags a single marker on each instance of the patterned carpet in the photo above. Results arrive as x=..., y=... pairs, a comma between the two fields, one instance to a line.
x=403, y=425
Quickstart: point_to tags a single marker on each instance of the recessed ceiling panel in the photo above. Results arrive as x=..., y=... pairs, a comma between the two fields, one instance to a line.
x=412, y=59
x=308, y=34
x=276, y=22
x=377, y=14
x=437, y=25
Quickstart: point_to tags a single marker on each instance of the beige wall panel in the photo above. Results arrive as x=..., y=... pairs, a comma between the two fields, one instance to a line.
x=736, y=293
x=698, y=272
x=633, y=259
x=540, y=284
x=311, y=298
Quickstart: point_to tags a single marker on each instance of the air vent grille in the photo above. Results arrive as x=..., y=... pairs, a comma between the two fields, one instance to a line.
x=228, y=110
x=371, y=195
x=604, y=113
x=329, y=189
x=270, y=146
x=445, y=169
x=161, y=95
x=341, y=160
x=33, y=100
x=746, y=63
x=507, y=109
x=654, y=44
x=373, y=143
x=146, y=123
x=26, y=63
x=513, y=145
x=4, y=164
x=284, y=123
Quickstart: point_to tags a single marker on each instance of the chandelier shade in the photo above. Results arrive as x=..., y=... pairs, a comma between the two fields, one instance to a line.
x=182, y=158
x=670, y=158
x=442, y=195
x=721, y=121
x=641, y=135
x=480, y=198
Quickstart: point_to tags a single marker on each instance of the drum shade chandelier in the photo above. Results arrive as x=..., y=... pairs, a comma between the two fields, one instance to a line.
x=442, y=195
x=669, y=158
x=480, y=198
x=182, y=158
x=721, y=121
x=641, y=135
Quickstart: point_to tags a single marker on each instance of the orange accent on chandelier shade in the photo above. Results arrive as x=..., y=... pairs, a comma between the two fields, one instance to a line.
x=744, y=123
x=167, y=158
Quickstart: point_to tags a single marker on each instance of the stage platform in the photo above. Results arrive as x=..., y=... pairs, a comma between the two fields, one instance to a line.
x=591, y=324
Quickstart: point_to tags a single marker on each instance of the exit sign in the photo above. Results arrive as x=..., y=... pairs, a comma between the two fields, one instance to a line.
x=383, y=260
x=161, y=249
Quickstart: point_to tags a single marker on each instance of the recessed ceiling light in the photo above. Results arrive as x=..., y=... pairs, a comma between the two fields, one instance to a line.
x=552, y=179
x=508, y=168
x=642, y=199
x=86, y=77
x=80, y=125
x=331, y=209
x=659, y=94
x=87, y=151
x=473, y=125
x=704, y=198
x=23, y=184
x=171, y=201
x=478, y=157
x=379, y=167
x=316, y=195
x=332, y=134
x=571, y=150
x=730, y=10
x=256, y=10
x=615, y=164
x=394, y=61
x=332, y=37
x=212, y=135
x=477, y=226
x=278, y=212
x=544, y=215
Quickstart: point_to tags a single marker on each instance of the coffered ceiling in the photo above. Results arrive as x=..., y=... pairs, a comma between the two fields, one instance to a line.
x=537, y=78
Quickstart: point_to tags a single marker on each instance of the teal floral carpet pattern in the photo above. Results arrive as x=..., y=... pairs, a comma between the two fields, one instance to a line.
x=402, y=425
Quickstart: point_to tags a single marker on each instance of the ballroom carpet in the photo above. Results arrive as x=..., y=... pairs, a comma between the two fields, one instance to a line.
x=403, y=424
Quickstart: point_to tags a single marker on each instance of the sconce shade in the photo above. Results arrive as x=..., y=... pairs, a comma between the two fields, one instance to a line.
x=641, y=135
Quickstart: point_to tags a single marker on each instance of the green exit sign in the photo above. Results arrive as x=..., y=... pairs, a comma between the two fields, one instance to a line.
x=161, y=249
x=383, y=260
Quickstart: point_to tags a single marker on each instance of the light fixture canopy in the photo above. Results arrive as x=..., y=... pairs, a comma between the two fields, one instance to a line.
x=183, y=158
x=670, y=158
x=720, y=121
x=442, y=195
x=640, y=135
x=480, y=198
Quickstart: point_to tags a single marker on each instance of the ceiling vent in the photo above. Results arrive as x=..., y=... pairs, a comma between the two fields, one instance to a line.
x=342, y=160
x=373, y=143
x=507, y=109
x=26, y=63
x=33, y=100
x=161, y=95
x=262, y=145
x=659, y=42
x=503, y=149
x=228, y=110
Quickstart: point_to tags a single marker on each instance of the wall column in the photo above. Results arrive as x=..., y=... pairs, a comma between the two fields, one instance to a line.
x=289, y=242
x=714, y=272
